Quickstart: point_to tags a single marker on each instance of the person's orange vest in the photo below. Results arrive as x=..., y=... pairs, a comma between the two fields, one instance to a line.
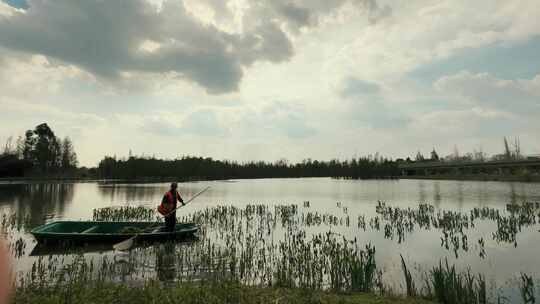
x=166, y=209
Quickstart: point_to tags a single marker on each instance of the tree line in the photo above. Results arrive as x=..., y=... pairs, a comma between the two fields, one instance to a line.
x=512, y=151
x=39, y=152
x=189, y=167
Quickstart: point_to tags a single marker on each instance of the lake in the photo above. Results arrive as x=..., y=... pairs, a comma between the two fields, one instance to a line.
x=499, y=258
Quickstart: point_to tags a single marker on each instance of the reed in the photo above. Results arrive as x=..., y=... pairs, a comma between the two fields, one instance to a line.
x=527, y=289
x=125, y=213
x=451, y=287
x=409, y=282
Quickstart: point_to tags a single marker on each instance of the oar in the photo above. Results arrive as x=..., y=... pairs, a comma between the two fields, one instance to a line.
x=127, y=244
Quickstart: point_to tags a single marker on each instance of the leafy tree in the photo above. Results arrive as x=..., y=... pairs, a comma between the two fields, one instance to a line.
x=42, y=149
x=207, y=168
x=29, y=143
x=46, y=149
x=68, y=155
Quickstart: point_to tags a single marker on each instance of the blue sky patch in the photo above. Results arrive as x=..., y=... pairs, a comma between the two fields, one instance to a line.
x=17, y=3
x=518, y=61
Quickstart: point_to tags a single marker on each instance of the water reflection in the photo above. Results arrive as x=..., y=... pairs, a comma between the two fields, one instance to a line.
x=166, y=262
x=65, y=249
x=437, y=193
x=130, y=193
x=427, y=242
x=459, y=194
x=513, y=196
x=39, y=200
x=421, y=192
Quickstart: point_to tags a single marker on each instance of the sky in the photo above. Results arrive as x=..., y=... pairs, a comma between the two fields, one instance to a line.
x=272, y=79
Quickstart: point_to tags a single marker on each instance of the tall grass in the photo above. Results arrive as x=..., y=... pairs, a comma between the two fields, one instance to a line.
x=450, y=286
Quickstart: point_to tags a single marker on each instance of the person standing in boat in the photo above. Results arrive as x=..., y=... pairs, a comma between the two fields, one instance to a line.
x=168, y=204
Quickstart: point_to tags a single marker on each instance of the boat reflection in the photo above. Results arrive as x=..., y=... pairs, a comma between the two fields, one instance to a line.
x=69, y=248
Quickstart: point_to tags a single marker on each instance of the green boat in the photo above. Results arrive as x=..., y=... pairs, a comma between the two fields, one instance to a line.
x=109, y=232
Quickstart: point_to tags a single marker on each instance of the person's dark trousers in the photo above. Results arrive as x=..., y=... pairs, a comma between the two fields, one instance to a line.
x=170, y=222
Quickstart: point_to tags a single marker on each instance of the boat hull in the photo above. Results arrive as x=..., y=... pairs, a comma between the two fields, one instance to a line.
x=109, y=232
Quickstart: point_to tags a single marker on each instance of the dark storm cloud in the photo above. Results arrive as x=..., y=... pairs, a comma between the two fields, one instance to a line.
x=105, y=37
x=300, y=16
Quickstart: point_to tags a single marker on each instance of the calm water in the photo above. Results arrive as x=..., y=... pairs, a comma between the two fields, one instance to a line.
x=503, y=262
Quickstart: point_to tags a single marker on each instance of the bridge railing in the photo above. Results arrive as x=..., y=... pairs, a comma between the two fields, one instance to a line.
x=433, y=164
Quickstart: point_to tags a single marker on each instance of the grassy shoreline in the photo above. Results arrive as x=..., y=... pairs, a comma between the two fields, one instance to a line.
x=154, y=292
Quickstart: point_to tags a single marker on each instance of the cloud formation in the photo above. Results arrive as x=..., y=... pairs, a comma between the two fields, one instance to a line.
x=116, y=39
x=287, y=78
x=519, y=97
x=422, y=32
x=365, y=104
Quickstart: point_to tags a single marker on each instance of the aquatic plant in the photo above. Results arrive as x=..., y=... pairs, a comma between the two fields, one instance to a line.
x=125, y=213
x=273, y=246
x=15, y=221
x=527, y=289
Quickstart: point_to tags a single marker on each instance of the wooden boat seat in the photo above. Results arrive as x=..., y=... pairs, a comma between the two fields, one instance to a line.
x=91, y=229
x=157, y=229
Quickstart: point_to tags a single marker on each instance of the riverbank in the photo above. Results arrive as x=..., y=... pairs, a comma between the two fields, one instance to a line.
x=499, y=178
x=480, y=177
x=154, y=292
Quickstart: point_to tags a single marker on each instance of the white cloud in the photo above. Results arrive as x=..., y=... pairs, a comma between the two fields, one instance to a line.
x=6, y=10
x=420, y=32
x=513, y=96
x=33, y=76
x=274, y=119
x=106, y=38
x=202, y=122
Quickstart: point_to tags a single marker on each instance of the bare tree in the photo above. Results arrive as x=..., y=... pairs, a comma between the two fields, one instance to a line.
x=419, y=156
x=456, y=153
x=517, y=148
x=20, y=147
x=434, y=155
x=480, y=155
x=8, y=147
x=507, y=152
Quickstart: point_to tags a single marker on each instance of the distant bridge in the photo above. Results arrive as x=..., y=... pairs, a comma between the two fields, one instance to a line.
x=529, y=166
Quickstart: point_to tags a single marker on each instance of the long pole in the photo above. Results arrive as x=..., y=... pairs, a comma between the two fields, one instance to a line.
x=186, y=202
x=127, y=244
